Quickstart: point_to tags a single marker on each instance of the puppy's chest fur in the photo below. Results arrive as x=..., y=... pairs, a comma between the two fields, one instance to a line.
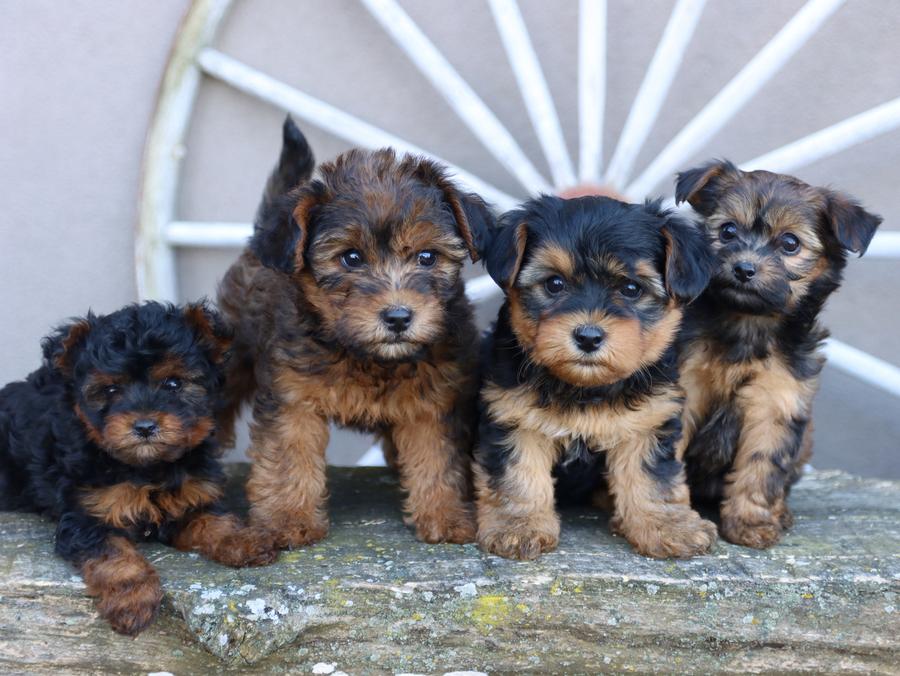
x=599, y=425
x=133, y=505
x=721, y=369
x=368, y=396
x=743, y=392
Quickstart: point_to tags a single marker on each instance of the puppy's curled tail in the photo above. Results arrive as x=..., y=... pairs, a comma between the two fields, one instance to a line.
x=295, y=165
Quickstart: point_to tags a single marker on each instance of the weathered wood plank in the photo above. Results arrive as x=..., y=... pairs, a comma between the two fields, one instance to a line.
x=372, y=599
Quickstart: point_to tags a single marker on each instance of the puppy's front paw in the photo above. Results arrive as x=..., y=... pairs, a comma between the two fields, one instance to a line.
x=786, y=518
x=248, y=546
x=131, y=607
x=679, y=534
x=759, y=533
x=300, y=535
x=288, y=532
x=457, y=527
x=522, y=542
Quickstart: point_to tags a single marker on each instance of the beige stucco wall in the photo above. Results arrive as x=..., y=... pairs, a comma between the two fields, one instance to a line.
x=79, y=81
x=82, y=77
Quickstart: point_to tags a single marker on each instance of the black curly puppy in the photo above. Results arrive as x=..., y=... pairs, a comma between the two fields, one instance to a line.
x=581, y=374
x=113, y=438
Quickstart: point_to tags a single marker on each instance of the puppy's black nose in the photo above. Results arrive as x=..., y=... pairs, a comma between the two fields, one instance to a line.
x=397, y=319
x=588, y=338
x=145, y=428
x=744, y=271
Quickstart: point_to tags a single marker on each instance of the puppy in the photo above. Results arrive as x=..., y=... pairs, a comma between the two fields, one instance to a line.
x=349, y=307
x=580, y=374
x=112, y=438
x=751, y=359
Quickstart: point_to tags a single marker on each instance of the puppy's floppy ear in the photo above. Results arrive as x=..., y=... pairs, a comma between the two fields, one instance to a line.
x=853, y=226
x=474, y=219
x=61, y=347
x=700, y=187
x=282, y=231
x=505, y=252
x=689, y=260
x=211, y=330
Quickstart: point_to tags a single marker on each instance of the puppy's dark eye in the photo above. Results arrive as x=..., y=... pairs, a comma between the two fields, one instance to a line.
x=631, y=290
x=426, y=258
x=352, y=258
x=728, y=231
x=172, y=384
x=111, y=390
x=555, y=285
x=790, y=244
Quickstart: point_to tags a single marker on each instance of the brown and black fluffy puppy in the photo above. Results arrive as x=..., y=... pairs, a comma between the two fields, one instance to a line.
x=348, y=306
x=751, y=360
x=112, y=438
x=580, y=388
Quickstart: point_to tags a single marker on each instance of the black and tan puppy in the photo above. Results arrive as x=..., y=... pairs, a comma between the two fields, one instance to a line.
x=112, y=438
x=581, y=375
x=751, y=358
x=349, y=306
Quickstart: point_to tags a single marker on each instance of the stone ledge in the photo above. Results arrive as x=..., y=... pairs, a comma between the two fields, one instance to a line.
x=372, y=599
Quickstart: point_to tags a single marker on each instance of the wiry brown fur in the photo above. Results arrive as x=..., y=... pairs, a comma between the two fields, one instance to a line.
x=750, y=361
x=225, y=539
x=311, y=346
x=412, y=403
x=126, y=585
x=127, y=504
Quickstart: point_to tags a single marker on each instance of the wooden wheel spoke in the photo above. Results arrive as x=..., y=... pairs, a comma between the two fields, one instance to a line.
x=160, y=232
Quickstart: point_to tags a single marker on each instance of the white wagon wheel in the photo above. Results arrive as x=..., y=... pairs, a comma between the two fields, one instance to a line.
x=193, y=57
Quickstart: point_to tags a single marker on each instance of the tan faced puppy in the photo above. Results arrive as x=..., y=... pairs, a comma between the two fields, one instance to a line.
x=751, y=359
x=580, y=386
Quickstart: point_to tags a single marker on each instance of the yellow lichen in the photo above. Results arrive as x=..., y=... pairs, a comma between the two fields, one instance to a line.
x=289, y=557
x=490, y=611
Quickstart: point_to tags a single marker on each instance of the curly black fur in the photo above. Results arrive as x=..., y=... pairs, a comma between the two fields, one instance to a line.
x=49, y=454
